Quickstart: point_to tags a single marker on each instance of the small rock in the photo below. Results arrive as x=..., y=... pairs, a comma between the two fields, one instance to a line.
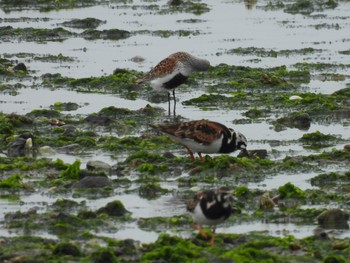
x=98, y=120
x=340, y=244
x=92, y=182
x=114, y=208
x=46, y=150
x=295, y=97
x=56, y=122
x=195, y=170
x=98, y=165
x=68, y=148
x=66, y=249
x=302, y=121
x=21, y=145
x=169, y=155
x=137, y=59
x=261, y=153
x=333, y=219
x=119, y=70
x=20, y=66
x=347, y=147
x=266, y=202
x=175, y=2
x=70, y=131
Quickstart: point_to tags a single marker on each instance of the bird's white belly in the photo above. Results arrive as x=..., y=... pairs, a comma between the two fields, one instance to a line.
x=157, y=84
x=200, y=219
x=214, y=147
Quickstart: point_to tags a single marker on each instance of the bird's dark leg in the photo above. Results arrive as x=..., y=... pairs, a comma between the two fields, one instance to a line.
x=169, y=113
x=212, y=236
x=174, y=101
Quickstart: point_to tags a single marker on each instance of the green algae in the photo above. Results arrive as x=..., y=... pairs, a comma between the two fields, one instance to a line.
x=196, y=8
x=88, y=22
x=304, y=7
x=66, y=248
x=115, y=208
x=112, y=34
x=320, y=66
x=290, y=191
x=12, y=182
x=66, y=205
x=44, y=6
x=161, y=224
x=152, y=191
x=331, y=181
x=318, y=139
x=34, y=34
x=72, y=171
x=262, y=52
x=315, y=104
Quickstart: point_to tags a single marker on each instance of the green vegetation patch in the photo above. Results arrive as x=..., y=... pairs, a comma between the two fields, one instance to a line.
x=44, y=6
x=318, y=139
x=84, y=23
x=262, y=52
x=9, y=33
x=304, y=7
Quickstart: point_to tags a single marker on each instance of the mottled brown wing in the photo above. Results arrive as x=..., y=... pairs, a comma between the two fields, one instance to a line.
x=164, y=67
x=192, y=203
x=201, y=131
x=170, y=129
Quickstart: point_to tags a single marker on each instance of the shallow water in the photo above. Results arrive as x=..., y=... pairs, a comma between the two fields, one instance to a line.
x=228, y=25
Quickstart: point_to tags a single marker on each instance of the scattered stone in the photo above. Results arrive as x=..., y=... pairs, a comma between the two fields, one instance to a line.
x=195, y=170
x=98, y=120
x=266, y=202
x=137, y=59
x=70, y=131
x=21, y=145
x=65, y=106
x=21, y=215
x=88, y=22
x=333, y=219
x=119, y=170
x=68, y=148
x=112, y=34
x=295, y=97
x=175, y=2
x=169, y=155
x=340, y=244
x=92, y=182
x=114, y=208
x=151, y=190
x=261, y=153
x=119, y=71
x=56, y=122
x=66, y=249
x=98, y=166
x=20, y=66
x=46, y=150
x=302, y=121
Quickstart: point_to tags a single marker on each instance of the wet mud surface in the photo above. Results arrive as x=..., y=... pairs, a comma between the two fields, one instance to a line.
x=100, y=185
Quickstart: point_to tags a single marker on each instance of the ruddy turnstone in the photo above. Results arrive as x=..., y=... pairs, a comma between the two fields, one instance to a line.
x=210, y=207
x=173, y=71
x=203, y=136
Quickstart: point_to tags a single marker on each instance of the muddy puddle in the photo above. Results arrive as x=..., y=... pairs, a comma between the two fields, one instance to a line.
x=263, y=36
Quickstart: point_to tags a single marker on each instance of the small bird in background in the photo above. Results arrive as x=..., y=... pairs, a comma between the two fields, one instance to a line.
x=203, y=136
x=210, y=207
x=173, y=71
